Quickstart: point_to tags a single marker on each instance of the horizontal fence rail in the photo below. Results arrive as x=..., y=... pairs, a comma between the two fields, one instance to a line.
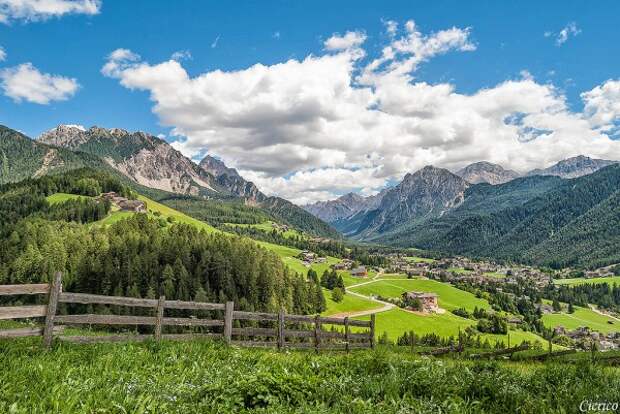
x=278, y=330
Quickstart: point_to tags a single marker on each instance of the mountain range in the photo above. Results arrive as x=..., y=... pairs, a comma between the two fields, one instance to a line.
x=566, y=214
x=543, y=217
x=349, y=205
x=149, y=164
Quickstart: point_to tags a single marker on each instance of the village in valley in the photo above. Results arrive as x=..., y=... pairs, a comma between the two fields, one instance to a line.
x=417, y=285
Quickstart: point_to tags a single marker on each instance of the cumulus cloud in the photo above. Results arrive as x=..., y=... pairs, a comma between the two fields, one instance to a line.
x=313, y=128
x=26, y=83
x=348, y=41
x=563, y=35
x=118, y=60
x=602, y=105
x=2, y=54
x=36, y=10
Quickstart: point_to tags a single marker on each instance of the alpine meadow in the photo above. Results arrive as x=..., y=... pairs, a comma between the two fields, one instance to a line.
x=278, y=207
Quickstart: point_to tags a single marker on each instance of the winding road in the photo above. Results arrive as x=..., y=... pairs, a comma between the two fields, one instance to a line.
x=386, y=305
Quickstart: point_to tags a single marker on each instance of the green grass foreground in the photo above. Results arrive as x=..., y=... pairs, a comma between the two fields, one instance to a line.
x=207, y=377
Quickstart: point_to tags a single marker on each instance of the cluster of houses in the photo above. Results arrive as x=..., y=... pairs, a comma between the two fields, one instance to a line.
x=485, y=272
x=585, y=336
x=308, y=258
x=344, y=264
x=606, y=271
x=400, y=264
x=136, y=206
x=280, y=227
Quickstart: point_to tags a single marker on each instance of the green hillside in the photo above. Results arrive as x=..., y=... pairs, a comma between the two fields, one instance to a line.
x=449, y=297
x=538, y=220
x=582, y=317
x=583, y=281
x=21, y=158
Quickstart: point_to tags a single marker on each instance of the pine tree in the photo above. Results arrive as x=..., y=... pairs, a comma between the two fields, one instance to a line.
x=168, y=283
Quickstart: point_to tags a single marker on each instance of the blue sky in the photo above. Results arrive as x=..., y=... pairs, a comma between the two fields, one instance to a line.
x=516, y=41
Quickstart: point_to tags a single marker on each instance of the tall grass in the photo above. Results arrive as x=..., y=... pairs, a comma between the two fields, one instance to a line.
x=207, y=377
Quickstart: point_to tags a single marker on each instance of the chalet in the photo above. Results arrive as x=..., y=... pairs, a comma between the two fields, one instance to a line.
x=136, y=206
x=124, y=204
x=428, y=300
x=359, y=272
x=307, y=256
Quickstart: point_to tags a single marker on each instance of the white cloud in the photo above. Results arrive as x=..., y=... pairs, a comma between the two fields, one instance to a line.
x=2, y=54
x=118, y=60
x=36, y=10
x=391, y=27
x=180, y=55
x=25, y=82
x=562, y=36
x=602, y=105
x=350, y=40
x=313, y=128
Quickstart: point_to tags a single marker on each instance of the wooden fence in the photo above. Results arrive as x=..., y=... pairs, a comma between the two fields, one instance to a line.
x=288, y=331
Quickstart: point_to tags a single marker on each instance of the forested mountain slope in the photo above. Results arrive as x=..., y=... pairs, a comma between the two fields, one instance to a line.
x=21, y=158
x=152, y=167
x=553, y=225
x=142, y=256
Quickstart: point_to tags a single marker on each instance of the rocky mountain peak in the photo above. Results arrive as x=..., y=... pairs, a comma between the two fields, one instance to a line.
x=429, y=192
x=486, y=172
x=217, y=167
x=574, y=167
x=64, y=136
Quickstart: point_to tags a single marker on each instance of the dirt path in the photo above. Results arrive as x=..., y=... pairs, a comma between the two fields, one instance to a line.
x=593, y=308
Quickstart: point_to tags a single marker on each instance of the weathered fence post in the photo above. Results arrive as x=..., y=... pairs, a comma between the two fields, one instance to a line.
x=281, y=329
x=159, y=317
x=50, y=314
x=346, y=333
x=372, y=330
x=228, y=321
x=317, y=332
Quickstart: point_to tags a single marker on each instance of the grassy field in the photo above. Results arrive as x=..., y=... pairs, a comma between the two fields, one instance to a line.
x=495, y=275
x=398, y=321
x=165, y=211
x=392, y=276
x=62, y=197
x=581, y=317
x=581, y=281
x=449, y=296
x=416, y=259
x=350, y=303
x=208, y=377
x=268, y=226
x=459, y=270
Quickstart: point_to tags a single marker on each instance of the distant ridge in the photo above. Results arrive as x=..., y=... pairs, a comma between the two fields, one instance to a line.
x=486, y=172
